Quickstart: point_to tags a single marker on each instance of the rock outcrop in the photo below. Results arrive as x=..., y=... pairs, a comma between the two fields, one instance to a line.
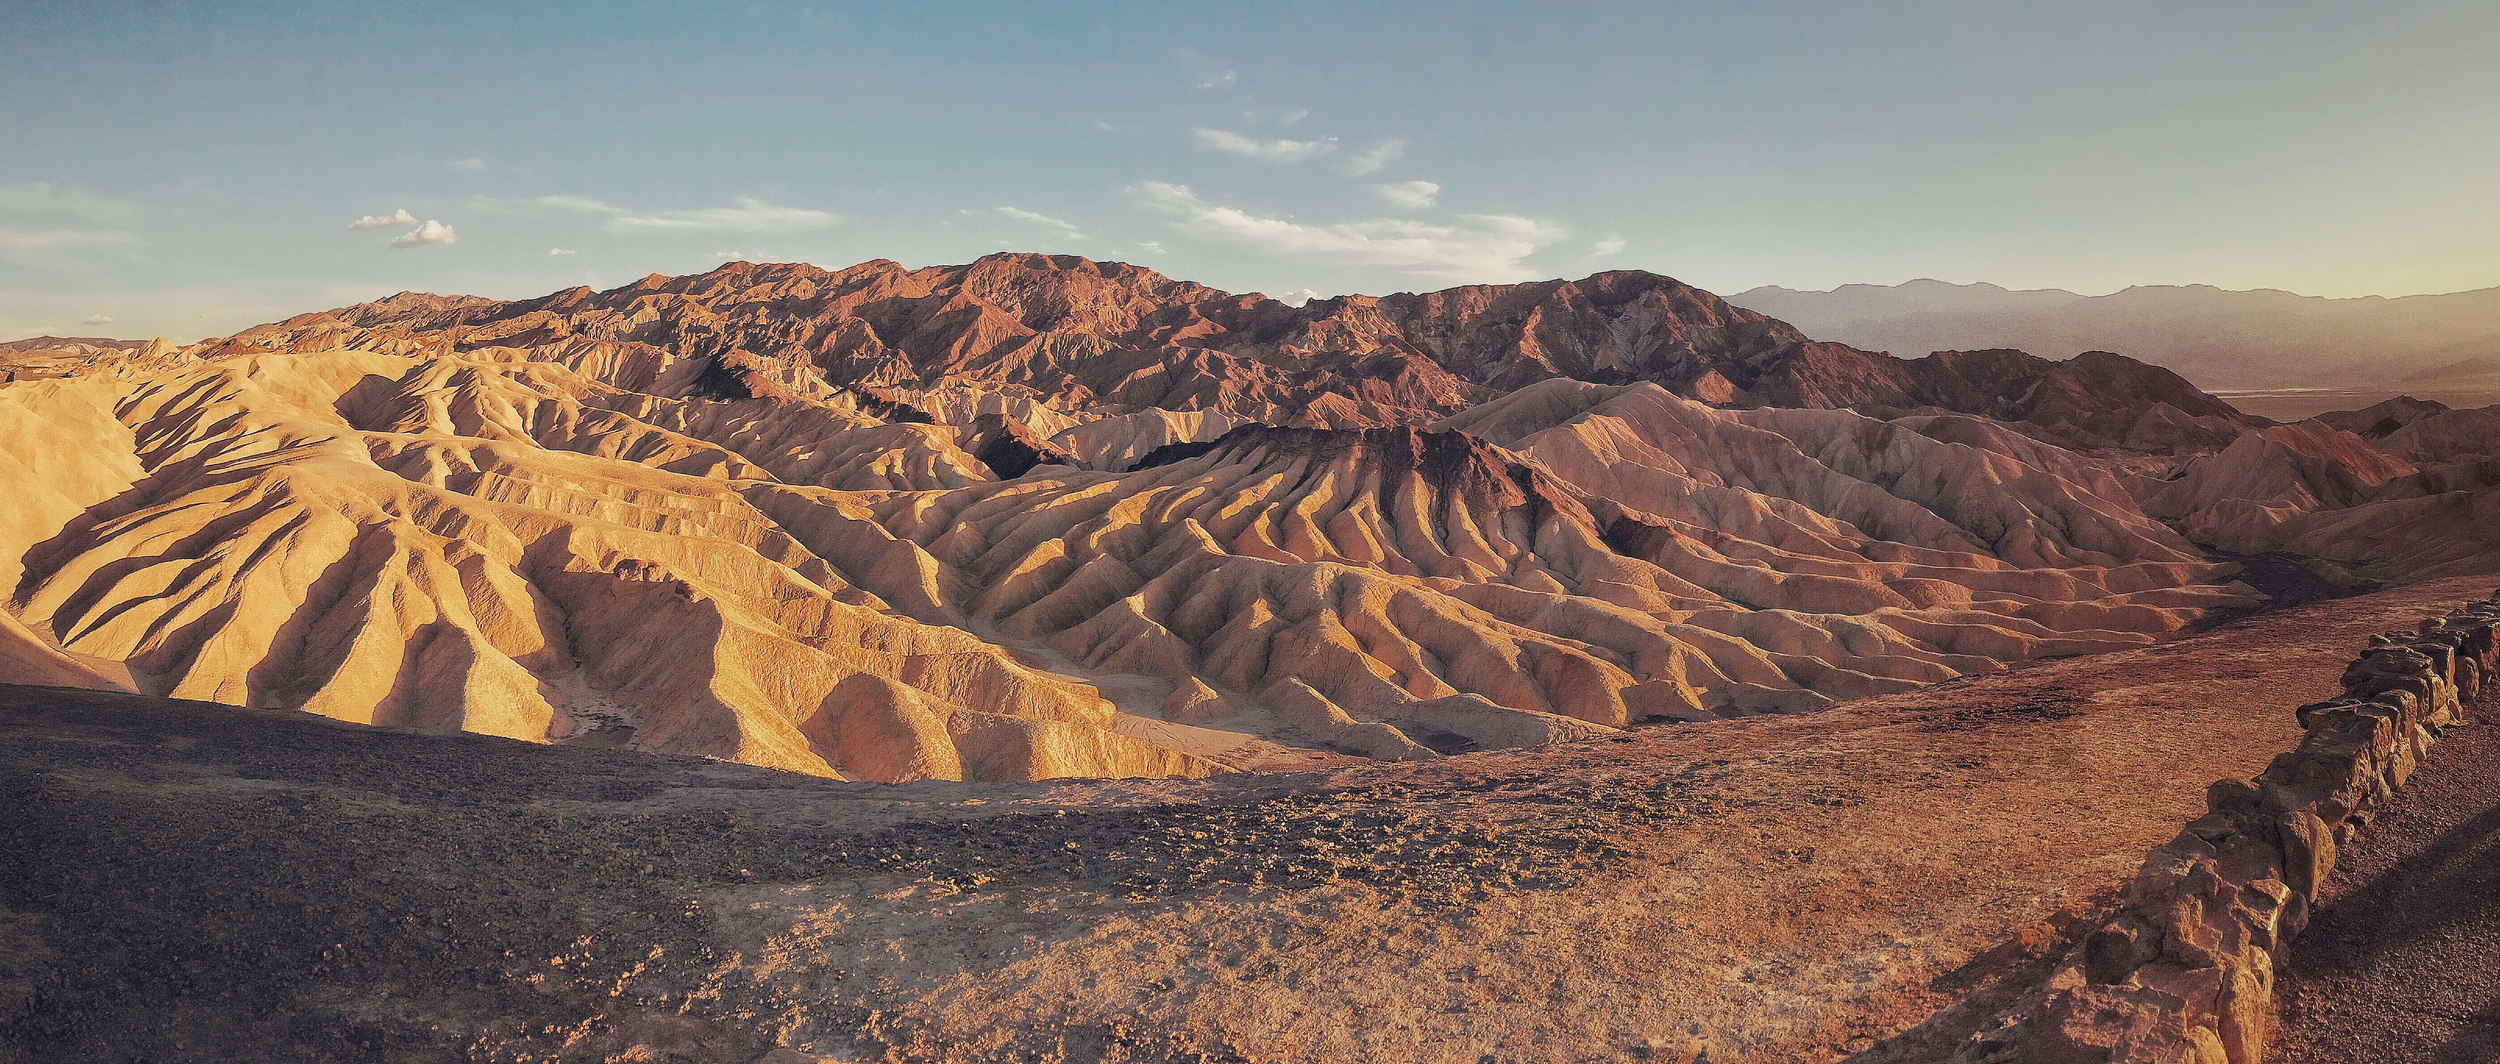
x=2422, y=431
x=2404, y=490
x=1066, y=334
x=2185, y=970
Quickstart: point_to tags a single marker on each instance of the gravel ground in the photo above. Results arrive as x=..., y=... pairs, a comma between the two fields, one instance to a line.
x=187, y=882
x=2402, y=963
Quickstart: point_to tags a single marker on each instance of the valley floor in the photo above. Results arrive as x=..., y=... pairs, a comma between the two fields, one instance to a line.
x=195, y=882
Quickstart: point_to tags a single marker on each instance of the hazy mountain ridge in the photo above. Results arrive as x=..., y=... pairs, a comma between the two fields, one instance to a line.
x=2220, y=339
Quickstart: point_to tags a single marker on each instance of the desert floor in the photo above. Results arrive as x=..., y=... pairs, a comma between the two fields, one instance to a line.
x=194, y=882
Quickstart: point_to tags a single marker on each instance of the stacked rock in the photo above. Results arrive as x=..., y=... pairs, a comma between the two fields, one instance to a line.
x=2184, y=972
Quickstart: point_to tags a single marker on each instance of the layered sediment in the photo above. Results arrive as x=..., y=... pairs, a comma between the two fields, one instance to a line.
x=1033, y=518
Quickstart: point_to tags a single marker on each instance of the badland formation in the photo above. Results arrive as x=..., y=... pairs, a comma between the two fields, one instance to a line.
x=1041, y=518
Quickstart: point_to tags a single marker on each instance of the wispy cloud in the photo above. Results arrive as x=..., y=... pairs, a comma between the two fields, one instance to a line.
x=1292, y=117
x=1266, y=151
x=52, y=239
x=1605, y=245
x=1412, y=195
x=561, y=253
x=746, y=215
x=1220, y=81
x=1297, y=297
x=46, y=197
x=427, y=234
x=1373, y=159
x=1066, y=228
x=1487, y=247
x=382, y=221
x=584, y=204
x=98, y=319
x=470, y=165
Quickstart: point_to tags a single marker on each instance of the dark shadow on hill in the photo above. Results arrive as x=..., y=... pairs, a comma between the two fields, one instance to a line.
x=2286, y=579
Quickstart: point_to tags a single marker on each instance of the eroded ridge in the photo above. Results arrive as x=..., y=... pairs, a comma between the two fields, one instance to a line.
x=1040, y=517
x=519, y=542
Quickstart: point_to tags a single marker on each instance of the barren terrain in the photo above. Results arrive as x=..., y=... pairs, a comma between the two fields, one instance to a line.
x=1041, y=517
x=1046, y=659
x=201, y=882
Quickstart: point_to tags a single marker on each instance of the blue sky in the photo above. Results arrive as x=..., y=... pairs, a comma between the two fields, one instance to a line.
x=186, y=169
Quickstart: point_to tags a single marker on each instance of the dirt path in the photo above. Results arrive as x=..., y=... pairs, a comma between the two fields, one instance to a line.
x=190, y=882
x=2402, y=963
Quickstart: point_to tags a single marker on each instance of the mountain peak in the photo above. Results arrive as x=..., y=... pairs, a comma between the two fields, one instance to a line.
x=1124, y=335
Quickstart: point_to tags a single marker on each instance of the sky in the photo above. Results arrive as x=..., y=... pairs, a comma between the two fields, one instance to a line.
x=187, y=169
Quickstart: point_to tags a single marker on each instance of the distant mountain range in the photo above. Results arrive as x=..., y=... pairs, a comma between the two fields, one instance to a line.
x=2219, y=339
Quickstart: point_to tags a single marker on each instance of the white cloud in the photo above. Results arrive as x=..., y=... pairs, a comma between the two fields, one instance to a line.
x=1606, y=245
x=382, y=221
x=1066, y=228
x=1266, y=151
x=425, y=235
x=749, y=215
x=1412, y=195
x=1220, y=81
x=729, y=256
x=1151, y=247
x=1297, y=297
x=44, y=196
x=1374, y=159
x=561, y=253
x=470, y=165
x=1292, y=117
x=1487, y=247
x=98, y=319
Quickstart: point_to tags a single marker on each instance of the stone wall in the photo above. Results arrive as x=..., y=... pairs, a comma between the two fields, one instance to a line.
x=2184, y=971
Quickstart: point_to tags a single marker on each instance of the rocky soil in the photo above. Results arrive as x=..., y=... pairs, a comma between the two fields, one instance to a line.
x=189, y=881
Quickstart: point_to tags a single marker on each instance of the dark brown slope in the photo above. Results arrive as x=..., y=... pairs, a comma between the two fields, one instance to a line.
x=48, y=344
x=1120, y=335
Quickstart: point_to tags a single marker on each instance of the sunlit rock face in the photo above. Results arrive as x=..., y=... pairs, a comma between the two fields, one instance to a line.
x=2401, y=491
x=1038, y=517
